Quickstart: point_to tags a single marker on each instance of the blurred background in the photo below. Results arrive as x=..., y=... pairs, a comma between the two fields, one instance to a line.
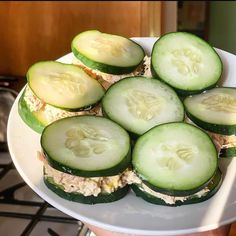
x=34, y=31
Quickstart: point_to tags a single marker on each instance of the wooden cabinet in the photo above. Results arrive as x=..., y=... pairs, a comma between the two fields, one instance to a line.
x=34, y=31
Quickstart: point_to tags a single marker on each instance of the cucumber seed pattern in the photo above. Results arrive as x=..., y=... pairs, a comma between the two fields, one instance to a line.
x=174, y=156
x=220, y=102
x=108, y=44
x=143, y=105
x=84, y=141
x=187, y=61
x=65, y=82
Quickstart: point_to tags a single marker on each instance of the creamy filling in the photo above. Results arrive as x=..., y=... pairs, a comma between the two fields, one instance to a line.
x=172, y=199
x=107, y=80
x=33, y=103
x=106, y=185
x=87, y=186
x=52, y=113
x=225, y=141
x=220, y=140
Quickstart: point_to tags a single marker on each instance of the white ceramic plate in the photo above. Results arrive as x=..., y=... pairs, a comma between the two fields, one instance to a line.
x=130, y=214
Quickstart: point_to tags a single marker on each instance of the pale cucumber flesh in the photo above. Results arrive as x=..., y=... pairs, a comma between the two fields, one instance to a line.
x=64, y=86
x=186, y=62
x=215, y=106
x=139, y=103
x=175, y=156
x=108, y=49
x=86, y=143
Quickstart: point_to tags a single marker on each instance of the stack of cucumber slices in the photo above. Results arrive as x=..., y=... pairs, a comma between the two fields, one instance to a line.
x=87, y=158
x=177, y=163
x=215, y=111
x=142, y=140
x=56, y=90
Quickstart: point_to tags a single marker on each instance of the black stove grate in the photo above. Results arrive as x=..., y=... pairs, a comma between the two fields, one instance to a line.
x=8, y=194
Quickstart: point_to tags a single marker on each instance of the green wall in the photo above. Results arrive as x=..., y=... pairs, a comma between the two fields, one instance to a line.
x=222, y=25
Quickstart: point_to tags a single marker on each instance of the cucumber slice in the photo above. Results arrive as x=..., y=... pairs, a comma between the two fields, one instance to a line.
x=213, y=187
x=182, y=60
x=108, y=53
x=228, y=152
x=32, y=119
x=87, y=146
x=214, y=110
x=139, y=103
x=177, y=159
x=77, y=197
x=63, y=86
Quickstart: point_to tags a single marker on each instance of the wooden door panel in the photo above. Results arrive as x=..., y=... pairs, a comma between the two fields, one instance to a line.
x=34, y=31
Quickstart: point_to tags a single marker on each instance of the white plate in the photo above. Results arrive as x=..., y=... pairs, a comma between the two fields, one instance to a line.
x=130, y=214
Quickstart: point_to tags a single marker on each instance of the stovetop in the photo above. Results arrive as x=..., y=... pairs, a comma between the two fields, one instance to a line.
x=23, y=212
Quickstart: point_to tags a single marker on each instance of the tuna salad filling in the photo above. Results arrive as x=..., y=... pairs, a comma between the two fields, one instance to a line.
x=52, y=113
x=87, y=186
x=220, y=141
x=172, y=199
x=105, y=185
x=224, y=141
x=106, y=80
x=84, y=185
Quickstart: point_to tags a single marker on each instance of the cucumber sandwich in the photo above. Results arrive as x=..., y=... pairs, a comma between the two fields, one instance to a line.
x=215, y=111
x=107, y=57
x=86, y=159
x=176, y=164
x=56, y=90
x=185, y=62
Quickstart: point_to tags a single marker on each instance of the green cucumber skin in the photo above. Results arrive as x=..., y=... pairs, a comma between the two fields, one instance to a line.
x=179, y=193
x=179, y=91
x=109, y=69
x=28, y=117
x=132, y=135
x=115, y=170
x=228, y=152
x=76, y=197
x=213, y=186
x=85, y=108
x=182, y=92
x=215, y=128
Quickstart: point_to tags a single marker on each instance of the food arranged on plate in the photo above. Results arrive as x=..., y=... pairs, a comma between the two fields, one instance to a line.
x=108, y=58
x=142, y=140
x=215, y=111
x=86, y=159
x=177, y=164
x=56, y=90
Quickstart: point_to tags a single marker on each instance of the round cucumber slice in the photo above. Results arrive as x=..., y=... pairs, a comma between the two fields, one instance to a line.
x=182, y=60
x=175, y=158
x=214, y=110
x=139, y=103
x=161, y=199
x=64, y=86
x=86, y=146
x=108, y=53
x=77, y=197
